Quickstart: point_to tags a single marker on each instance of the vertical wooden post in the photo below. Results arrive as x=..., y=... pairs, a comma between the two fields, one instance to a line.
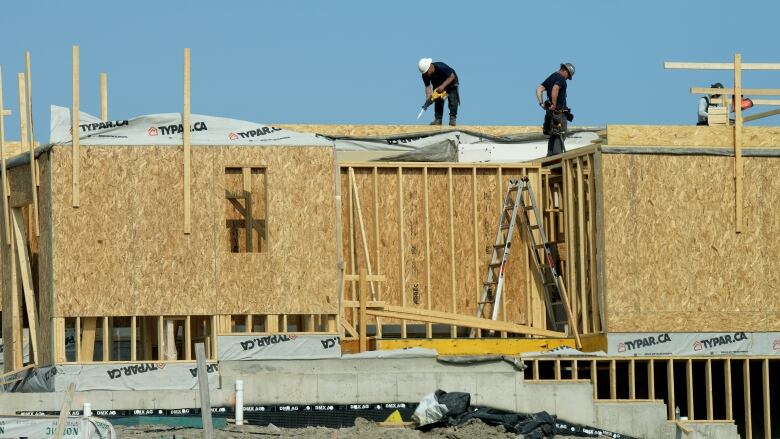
x=160, y=338
x=651, y=379
x=186, y=141
x=203, y=387
x=401, y=253
x=574, y=369
x=426, y=215
x=729, y=394
x=594, y=300
x=477, y=275
x=188, y=338
x=454, y=301
x=246, y=174
x=708, y=388
x=612, y=380
x=631, y=377
x=689, y=387
x=581, y=233
x=27, y=145
x=557, y=370
x=363, y=287
x=594, y=378
x=767, y=408
x=103, y=97
x=4, y=183
x=133, y=338
x=746, y=378
x=75, y=130
x=738, y=165
x=670, y=388
x=77, y=329
x=106, y=340
x=30, y=124
x=375, y=184
x=87, y=336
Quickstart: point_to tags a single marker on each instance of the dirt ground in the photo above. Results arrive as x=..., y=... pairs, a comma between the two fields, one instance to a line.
x=362, y=430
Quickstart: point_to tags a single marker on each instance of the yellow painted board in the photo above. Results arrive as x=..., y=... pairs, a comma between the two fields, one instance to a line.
x=471, y=346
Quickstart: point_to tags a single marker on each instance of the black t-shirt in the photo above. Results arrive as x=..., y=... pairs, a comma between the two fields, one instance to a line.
x=440, y=74
x=556, y=78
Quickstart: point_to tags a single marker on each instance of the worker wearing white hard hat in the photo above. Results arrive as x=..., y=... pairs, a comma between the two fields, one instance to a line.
x=557, y=112
x=440, y=76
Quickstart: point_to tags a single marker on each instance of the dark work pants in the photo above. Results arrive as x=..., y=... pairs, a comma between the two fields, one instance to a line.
x=453, y=101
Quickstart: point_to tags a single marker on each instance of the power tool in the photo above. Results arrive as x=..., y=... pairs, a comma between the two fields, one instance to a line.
x=434, y=96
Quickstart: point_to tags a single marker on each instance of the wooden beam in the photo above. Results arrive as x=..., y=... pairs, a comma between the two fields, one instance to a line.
x=729, y=393
x=363, y=292
x=375, y=189
x=738, y=165
x=746, y=398
x=708, y=388
x=460, y=320
x=6, y=112
x=477, y=276
x=134, y=338
x=23, y=259
x=401, y=252
x=612, y=380
x=730, y=91
x=75, y=130
x=670, y=388
x=349, y=328
x=88, y=325
x=28, y=145
x=766, y=395
x=594, y=301
x=188, y=338
x=246, y=174
x=581, y=233
x=4, y=182
x=426, y=218
x=203, y=388
x=64, y=411
x=632, y=379
x=103, y=97
x=759, y=101
x=77, y=329
x=651, y=379
x=363, y=237
x=719, y=66
x=28, y=75
x=186, y=141
x=689, y=388
x=107, y=341
x=453, y=291
x=762, y=115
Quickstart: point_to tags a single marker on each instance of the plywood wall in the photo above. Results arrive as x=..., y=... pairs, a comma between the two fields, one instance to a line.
x=436, y=260
x=673, y=261
x=123, y=251
x=690, y=136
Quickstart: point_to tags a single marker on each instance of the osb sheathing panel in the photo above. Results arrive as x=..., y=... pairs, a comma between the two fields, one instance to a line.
x=489, y=197
x=690, y=136
x=123, y=251
x=673, y=261
x=393, y=130
x=20, y=181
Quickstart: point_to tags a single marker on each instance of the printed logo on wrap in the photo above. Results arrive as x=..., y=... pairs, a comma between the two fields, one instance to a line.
x=269, y=340
x=168, y=130
x=134, y=369
x=97, y=126
x=719, y=341
x=776, y=344
x=643, y=343
x=258, y=132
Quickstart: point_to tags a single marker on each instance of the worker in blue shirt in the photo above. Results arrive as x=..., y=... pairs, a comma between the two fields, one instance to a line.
x=443, y=78
x=555, y=108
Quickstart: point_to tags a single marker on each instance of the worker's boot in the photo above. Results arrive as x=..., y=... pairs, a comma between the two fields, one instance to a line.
x=453, y=121
x=436, y=122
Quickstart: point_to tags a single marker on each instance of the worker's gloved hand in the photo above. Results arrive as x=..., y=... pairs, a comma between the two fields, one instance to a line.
x=569, y=116
x=439, y=89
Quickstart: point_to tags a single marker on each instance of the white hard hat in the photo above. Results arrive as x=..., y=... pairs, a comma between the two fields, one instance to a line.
x=424, y=64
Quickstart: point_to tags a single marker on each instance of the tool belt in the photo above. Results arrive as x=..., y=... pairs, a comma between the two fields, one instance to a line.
x=555, y=121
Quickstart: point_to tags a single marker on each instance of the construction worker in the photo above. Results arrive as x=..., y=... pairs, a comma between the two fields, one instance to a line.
x=443, y=78
x=705, y=104
x=556, y=111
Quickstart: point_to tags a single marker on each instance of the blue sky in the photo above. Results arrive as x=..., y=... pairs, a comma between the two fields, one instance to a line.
x=355, y=61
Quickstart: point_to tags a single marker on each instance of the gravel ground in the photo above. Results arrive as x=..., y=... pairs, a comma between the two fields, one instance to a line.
x=363, y=429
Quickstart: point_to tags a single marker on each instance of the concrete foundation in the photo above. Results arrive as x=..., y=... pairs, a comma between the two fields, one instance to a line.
x=352, y=381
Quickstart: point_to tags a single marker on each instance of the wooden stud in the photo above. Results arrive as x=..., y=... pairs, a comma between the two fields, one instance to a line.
x=558, y=369
x=133, y=338
x=670, y=388
x=272, y=323
x=23, y=260
x=708, y=388
x=186, y=141
x=477, y=275
x=453, y=292
x=147, y=337
x=581, y=233
x=64, y=411
x=160, y=338
x=571, y=280
x=170, y=341
x=249, y=323
x=363, y=287
x=352, y=232
x=426, y=218
x=58, y=326
x=88, y=329
x=594, y=303
x=729, y=394
x=203, y=388
x=746, y=392
x=75, y=129
x=536, y=370
x=12, y=320
x=4, y=182
x=215, y=339
x=765, y=393
x=738, y=165
x=401, y=254
x=689, y=385
x=761, y=115
x=246, y=174
x=500, y=198
x=575, y=373
x=35, y=181
x=612, y=380
x=188, y=338
x=730, y=91
x=720, y=66
x=363, y=237
x=77, y=329
x=651, y=379
x=631, y=379
x=103, y=97
x=375, y=187
x=594, y=378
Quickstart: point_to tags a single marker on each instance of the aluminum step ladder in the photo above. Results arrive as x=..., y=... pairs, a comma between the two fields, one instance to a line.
x=518, y=202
